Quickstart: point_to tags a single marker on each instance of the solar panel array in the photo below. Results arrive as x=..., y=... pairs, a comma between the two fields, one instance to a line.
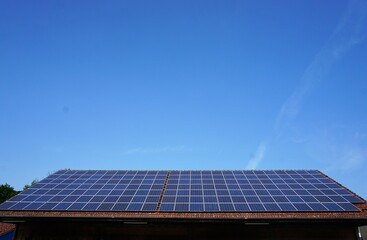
x=254, y=191
x=185, y=191
x=93, y=191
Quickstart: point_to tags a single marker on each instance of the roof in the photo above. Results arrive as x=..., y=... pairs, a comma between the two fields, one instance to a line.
x=187, y=195
x=6, y=227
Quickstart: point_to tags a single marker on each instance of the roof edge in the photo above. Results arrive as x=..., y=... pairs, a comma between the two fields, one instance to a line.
x=153, y=219
x=336, y=182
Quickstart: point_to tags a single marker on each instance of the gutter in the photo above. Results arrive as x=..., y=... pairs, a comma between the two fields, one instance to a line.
x=132, y=220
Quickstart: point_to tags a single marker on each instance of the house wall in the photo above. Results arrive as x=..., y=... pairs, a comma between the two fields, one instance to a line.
x=7, y=236
x=180, y=230
x=363, y=232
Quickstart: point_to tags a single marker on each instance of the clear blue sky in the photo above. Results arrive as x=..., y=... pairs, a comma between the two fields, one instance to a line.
x=183, y=85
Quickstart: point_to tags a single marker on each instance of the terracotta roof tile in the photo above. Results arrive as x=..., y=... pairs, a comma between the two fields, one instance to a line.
x=190, y=215
x=6, y=227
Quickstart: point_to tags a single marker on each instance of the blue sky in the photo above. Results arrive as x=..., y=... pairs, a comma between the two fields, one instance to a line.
x=183, y=85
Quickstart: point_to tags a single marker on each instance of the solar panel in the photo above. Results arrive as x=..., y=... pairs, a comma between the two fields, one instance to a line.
x=93, y=191
x=185, y=191
x=255, y=191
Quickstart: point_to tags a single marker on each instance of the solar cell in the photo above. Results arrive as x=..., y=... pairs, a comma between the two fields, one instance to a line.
x=76, y=206
x=271, y=207
x=333, y=207
x=46, y=206
x=351, y=198
x=197, y=207
x=256, y=207
x=266, y=199
x=167, y=207
x=302, y=207
x=211, y=207
x=318, y=206
x=182, y=207
x=150, y=206
x=348, y=207
x=241, y=207
x=118, y=207
x=287, y=207
x=226, y=207
x=62, y=206
x=33, y=206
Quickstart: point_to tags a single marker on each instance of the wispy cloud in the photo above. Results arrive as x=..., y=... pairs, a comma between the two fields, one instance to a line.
x=258, y=157
x=155, y=150
x=345, y=159
x=349, y=32
x=352, y=159
x=340, y=148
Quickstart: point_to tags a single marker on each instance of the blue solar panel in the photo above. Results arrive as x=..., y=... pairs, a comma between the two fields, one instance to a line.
x=272, y=207
x=93, y=191
x=185, y=191
x=257, y=207
x=61, y=206
x=256, y=191
x=287, y=207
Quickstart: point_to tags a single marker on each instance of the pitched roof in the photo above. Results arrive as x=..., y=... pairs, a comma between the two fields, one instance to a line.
x=280, y=194
x=6, y=227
